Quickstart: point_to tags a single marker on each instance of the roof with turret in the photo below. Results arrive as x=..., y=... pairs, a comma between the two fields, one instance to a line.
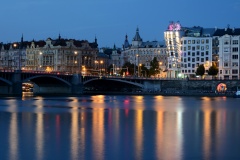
x=137, y=36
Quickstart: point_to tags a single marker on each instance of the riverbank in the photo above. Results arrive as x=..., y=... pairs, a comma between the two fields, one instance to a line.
x=200, y=94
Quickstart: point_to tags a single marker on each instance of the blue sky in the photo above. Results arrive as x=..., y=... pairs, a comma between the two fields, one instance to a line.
x=110, y=20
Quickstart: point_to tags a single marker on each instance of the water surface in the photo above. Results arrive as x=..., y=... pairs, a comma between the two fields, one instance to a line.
x=120, y=127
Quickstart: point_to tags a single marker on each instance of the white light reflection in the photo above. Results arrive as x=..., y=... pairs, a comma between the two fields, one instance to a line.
x=138, y=140
x=13, y=137
x=39, y=136
x=74, y=134
x=169, y=124
x=77, y=129
x=98, y=136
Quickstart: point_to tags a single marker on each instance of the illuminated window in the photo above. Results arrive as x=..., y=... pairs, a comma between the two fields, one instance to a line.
x=235, y=64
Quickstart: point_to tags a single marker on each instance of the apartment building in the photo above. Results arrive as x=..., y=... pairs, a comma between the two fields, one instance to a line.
x=228, y=40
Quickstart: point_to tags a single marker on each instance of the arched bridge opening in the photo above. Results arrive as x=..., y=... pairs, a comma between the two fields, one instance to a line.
x=111, y=85
x=47, y=84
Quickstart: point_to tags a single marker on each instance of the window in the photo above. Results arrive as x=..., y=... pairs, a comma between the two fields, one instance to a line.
x=198, y=53
x=220, y=71
x=235, y=64
x=197, y=58
x=188, y=58
x=185, y=42
x=225, y=64
x=207, y=46
x=235, y=41
x=198, y=47
x=226, y=49
x=189, y=41
x=207, y=41
x=189, y=53
x=193, y=41
x=206, y=53
x=184, y=48
x=202, y=48
x=198, y=41
x=189, y=64
x=202, y=53
x=226, y=42
x=193, y=48
x=235, y=49
x=185, y=60
x=189, y=47
x=234, y=56
x=206, y=58
x=193, y=59
x=193, y=53
x=185, y=65
x=193, y=65
x=202, y=41
x=202, y=59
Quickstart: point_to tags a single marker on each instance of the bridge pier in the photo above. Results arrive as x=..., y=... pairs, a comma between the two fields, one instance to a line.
x=154, y=85
x=16, y=88
x=77, y=85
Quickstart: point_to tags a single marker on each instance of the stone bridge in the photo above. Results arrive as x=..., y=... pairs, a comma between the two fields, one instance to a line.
x=60, y=83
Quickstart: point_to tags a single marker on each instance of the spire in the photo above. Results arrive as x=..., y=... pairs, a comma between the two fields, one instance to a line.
x=59, y=36
x=137, y=36
x=126, y=43
x=95, y=39
x=22, y=38
x=114, y=47
x=21, y=43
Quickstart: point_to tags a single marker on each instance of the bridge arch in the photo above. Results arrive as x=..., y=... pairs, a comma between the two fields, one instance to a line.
x=6, y=81
x=47, y=76
x=117, y=80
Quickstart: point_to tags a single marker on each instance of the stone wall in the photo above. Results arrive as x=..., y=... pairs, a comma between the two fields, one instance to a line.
x=204, y=85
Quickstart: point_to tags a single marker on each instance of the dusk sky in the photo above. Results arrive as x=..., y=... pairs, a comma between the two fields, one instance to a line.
x=110, y=20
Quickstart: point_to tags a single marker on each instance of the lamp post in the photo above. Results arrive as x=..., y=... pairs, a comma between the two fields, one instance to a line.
x=100, y=66
x=139, y=69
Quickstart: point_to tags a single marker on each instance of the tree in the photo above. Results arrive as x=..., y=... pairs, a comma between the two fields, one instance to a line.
x=213, y=70
x=200, y=70
x=154, y=67
x=144, y=71
x=130, y=68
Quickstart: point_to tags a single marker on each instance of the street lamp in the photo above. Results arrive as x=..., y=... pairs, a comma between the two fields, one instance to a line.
x=139, y=69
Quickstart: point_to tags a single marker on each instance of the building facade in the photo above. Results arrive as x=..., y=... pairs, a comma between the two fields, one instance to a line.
x=189, y=47
x=142, y=53
x=51, y=55
x=228, y=41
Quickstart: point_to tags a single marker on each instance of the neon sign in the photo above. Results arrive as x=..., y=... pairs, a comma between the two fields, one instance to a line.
x=174, y=26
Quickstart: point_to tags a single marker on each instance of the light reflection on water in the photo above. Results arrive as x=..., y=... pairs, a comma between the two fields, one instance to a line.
x=120, y=127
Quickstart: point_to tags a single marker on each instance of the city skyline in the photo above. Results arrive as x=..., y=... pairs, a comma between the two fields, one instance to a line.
x=108, y=20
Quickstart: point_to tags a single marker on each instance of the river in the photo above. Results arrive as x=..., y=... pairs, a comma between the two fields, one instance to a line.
x=104, y=127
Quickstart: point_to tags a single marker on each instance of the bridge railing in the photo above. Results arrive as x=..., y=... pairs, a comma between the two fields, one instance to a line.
x=34, y=71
